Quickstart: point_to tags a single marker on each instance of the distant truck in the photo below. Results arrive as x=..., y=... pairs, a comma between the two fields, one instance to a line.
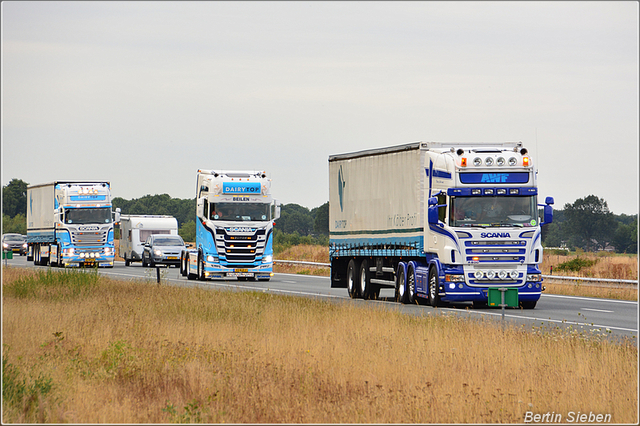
x=437, y=222
x=235, y=215
x=70, y=223
x=135, y=229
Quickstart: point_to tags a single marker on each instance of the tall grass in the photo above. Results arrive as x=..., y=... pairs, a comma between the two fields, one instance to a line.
x=139, y=352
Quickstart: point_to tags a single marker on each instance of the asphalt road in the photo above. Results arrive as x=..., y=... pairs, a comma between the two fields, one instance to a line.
x=615, y=318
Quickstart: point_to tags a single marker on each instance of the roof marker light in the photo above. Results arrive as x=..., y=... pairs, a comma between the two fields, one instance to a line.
x=525, y=161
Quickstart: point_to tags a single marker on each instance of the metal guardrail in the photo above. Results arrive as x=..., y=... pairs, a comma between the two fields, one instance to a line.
x=596, y=280
x=555, y=277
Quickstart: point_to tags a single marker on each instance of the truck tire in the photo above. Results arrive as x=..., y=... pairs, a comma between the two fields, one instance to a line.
x=364, y=283
x=127, y=262
x=183, y=269
x=528, y=305
x=401, y=287
x=190, y=276
x=200, y=268
x=352, y=270
x=434, y=297
x=411, y=285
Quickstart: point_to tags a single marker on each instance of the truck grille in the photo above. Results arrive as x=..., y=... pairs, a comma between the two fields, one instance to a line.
x=506, y=251
x=240, y=249
x=88, y=239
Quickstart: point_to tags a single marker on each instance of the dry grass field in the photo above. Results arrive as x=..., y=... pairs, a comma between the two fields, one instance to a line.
x=78, y=348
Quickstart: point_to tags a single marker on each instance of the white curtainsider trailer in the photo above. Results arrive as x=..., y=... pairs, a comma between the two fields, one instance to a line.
x=438, y=222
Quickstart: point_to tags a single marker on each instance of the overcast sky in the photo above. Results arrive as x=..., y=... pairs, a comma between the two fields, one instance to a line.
x=143, y=94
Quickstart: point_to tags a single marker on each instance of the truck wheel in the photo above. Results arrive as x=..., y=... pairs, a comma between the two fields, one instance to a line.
x=363, y=280
x=528, y=305
x=401, y=293
x=352, y=269
x=200, y=268
x=127, y=262
x=184, y=266
x=411, y=286
x=144, y=262
x=190, y=276
x=434, y=297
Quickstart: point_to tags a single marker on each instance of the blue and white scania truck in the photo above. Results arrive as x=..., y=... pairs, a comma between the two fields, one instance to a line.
x=438, y=222
x=235, y=215
x=70, y=224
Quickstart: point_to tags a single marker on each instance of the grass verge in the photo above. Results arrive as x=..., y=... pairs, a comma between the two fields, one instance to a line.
x=137, y=352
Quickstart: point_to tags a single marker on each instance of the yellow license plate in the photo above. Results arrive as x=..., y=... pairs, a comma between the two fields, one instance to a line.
x=240, y=270
x=172, y=258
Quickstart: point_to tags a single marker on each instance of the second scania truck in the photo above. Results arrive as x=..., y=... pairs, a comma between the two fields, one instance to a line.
x=438, y=222
x=235, y=215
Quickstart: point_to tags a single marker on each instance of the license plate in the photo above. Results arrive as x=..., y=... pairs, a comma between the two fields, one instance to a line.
x=241, y=270
x=240, y=274
x=172, y=257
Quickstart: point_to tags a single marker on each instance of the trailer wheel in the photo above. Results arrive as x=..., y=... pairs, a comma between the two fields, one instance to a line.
x=411, y=286
x=363, y=280
x=434, y=297
x=351, y=278
x=127, y=262
x=401, y=293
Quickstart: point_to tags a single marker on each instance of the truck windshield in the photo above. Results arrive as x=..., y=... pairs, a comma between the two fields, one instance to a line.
x=494, y=211
x=85, y=216
x=239, y=211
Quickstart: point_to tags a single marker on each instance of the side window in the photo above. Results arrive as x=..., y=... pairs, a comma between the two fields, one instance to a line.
x=442, y=211
x=129, y=236
x=206, y=209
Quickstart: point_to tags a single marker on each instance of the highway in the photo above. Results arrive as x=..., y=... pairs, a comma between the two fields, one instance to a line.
x=616, y=318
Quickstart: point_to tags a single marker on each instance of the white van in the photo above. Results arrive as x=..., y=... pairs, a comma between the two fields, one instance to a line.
x=135, y=229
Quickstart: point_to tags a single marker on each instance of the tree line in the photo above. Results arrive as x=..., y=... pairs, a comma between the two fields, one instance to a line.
x=586, y=224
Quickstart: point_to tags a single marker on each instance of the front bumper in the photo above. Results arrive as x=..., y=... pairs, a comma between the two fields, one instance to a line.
x=215, y=270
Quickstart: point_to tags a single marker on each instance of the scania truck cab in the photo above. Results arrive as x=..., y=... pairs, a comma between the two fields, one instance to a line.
x=235, y=215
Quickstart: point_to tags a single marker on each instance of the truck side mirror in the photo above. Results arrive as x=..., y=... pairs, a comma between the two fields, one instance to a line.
x=432, y=213
x=547, y=214
x=275, y=210
x=116, y=215
x=200, y=209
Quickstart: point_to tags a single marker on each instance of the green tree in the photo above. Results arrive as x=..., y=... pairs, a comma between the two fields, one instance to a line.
x=625, y=239
x=321, y=220
x=16, y=224
x=188, y=231
x=295, y=218
x=14, y=198
x=590, y=223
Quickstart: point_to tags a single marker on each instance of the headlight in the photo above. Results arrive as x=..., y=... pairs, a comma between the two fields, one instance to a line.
x=157, y=252
x=502, y=275
x=534, y=277
x=25, y=245
x=454, y=278
x=212, y=259
x=513, y=161
x=489, y=161
x=477, y=161
x=514, y=274
x=500, y=161
x=5, y=245
x=478, y=275
x=491, y=275
x=267, y=259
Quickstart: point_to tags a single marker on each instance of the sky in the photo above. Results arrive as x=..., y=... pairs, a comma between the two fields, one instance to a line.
x=143, y=94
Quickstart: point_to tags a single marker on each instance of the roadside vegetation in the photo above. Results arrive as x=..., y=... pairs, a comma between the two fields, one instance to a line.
x=79, y=348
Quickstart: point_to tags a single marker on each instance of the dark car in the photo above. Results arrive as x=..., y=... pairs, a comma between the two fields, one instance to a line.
x=16, y=243
x=162, y=249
